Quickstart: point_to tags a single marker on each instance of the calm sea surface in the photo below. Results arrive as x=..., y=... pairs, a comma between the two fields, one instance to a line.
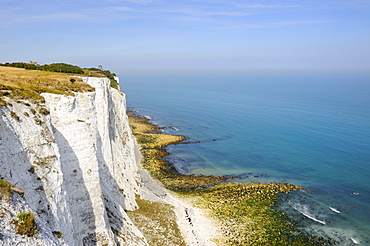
x=306, y=127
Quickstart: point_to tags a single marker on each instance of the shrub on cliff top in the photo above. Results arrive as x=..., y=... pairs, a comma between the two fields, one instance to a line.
x=111, y=76
x=54, y=67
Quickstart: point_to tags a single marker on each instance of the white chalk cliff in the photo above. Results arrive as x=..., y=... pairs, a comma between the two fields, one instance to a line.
x=77, y=166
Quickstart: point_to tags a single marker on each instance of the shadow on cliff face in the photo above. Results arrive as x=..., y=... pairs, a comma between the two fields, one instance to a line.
x=113, y=198
x=112, y=118
x=16, y=168
x=81, y=218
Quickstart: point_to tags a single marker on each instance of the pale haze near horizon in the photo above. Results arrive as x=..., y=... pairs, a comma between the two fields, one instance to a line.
x=150, y=34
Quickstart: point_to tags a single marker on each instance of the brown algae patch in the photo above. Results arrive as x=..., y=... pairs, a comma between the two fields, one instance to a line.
x=246, y=213
x=152, y=148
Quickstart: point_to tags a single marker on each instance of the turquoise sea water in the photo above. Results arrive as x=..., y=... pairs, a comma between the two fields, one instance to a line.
x=306, y=127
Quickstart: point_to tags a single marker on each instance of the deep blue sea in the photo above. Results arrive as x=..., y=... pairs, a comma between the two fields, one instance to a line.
x=306, y=127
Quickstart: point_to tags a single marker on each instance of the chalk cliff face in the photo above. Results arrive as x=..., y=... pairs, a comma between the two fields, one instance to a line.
x=76, y=161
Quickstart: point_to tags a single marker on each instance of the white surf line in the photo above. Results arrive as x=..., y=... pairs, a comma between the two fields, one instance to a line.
x=355, y=240
x=313, y=218
x=335, y=210
x=304, y=210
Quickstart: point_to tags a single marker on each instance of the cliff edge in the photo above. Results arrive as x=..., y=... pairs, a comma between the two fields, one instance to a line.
x=76, y=164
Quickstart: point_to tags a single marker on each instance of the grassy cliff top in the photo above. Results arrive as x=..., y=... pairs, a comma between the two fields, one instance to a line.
x=26, y=81
x=19, y=83
x=66, y=68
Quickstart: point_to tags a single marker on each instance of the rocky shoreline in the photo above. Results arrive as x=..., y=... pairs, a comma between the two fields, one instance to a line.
x=217, y=212
x=197, y=228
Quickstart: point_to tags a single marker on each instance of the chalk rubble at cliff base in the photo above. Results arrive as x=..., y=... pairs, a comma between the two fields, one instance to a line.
x=195, y=226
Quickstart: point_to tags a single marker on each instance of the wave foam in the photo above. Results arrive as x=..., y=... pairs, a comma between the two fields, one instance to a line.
x=335, y=210
x=355, y=240
x=303, y=209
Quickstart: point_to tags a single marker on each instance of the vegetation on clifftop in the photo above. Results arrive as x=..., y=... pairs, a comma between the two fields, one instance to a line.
x=18, y=83
x=54, y=67
x=20, y=80
x=111, y=76
x=67, y=69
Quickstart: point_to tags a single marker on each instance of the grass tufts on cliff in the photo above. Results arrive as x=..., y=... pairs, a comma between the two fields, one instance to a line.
x=5, y=188
x=25, y=224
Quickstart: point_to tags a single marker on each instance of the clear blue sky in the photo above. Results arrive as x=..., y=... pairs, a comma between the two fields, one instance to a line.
x=187, y=34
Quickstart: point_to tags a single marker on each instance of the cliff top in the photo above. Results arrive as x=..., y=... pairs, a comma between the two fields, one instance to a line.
x=19, y=83
x=67, y=68
x=27, y=81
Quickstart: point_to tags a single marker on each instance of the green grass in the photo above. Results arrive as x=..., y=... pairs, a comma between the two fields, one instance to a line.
x=25, y=224
x=59, y=234
x=19, y=83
